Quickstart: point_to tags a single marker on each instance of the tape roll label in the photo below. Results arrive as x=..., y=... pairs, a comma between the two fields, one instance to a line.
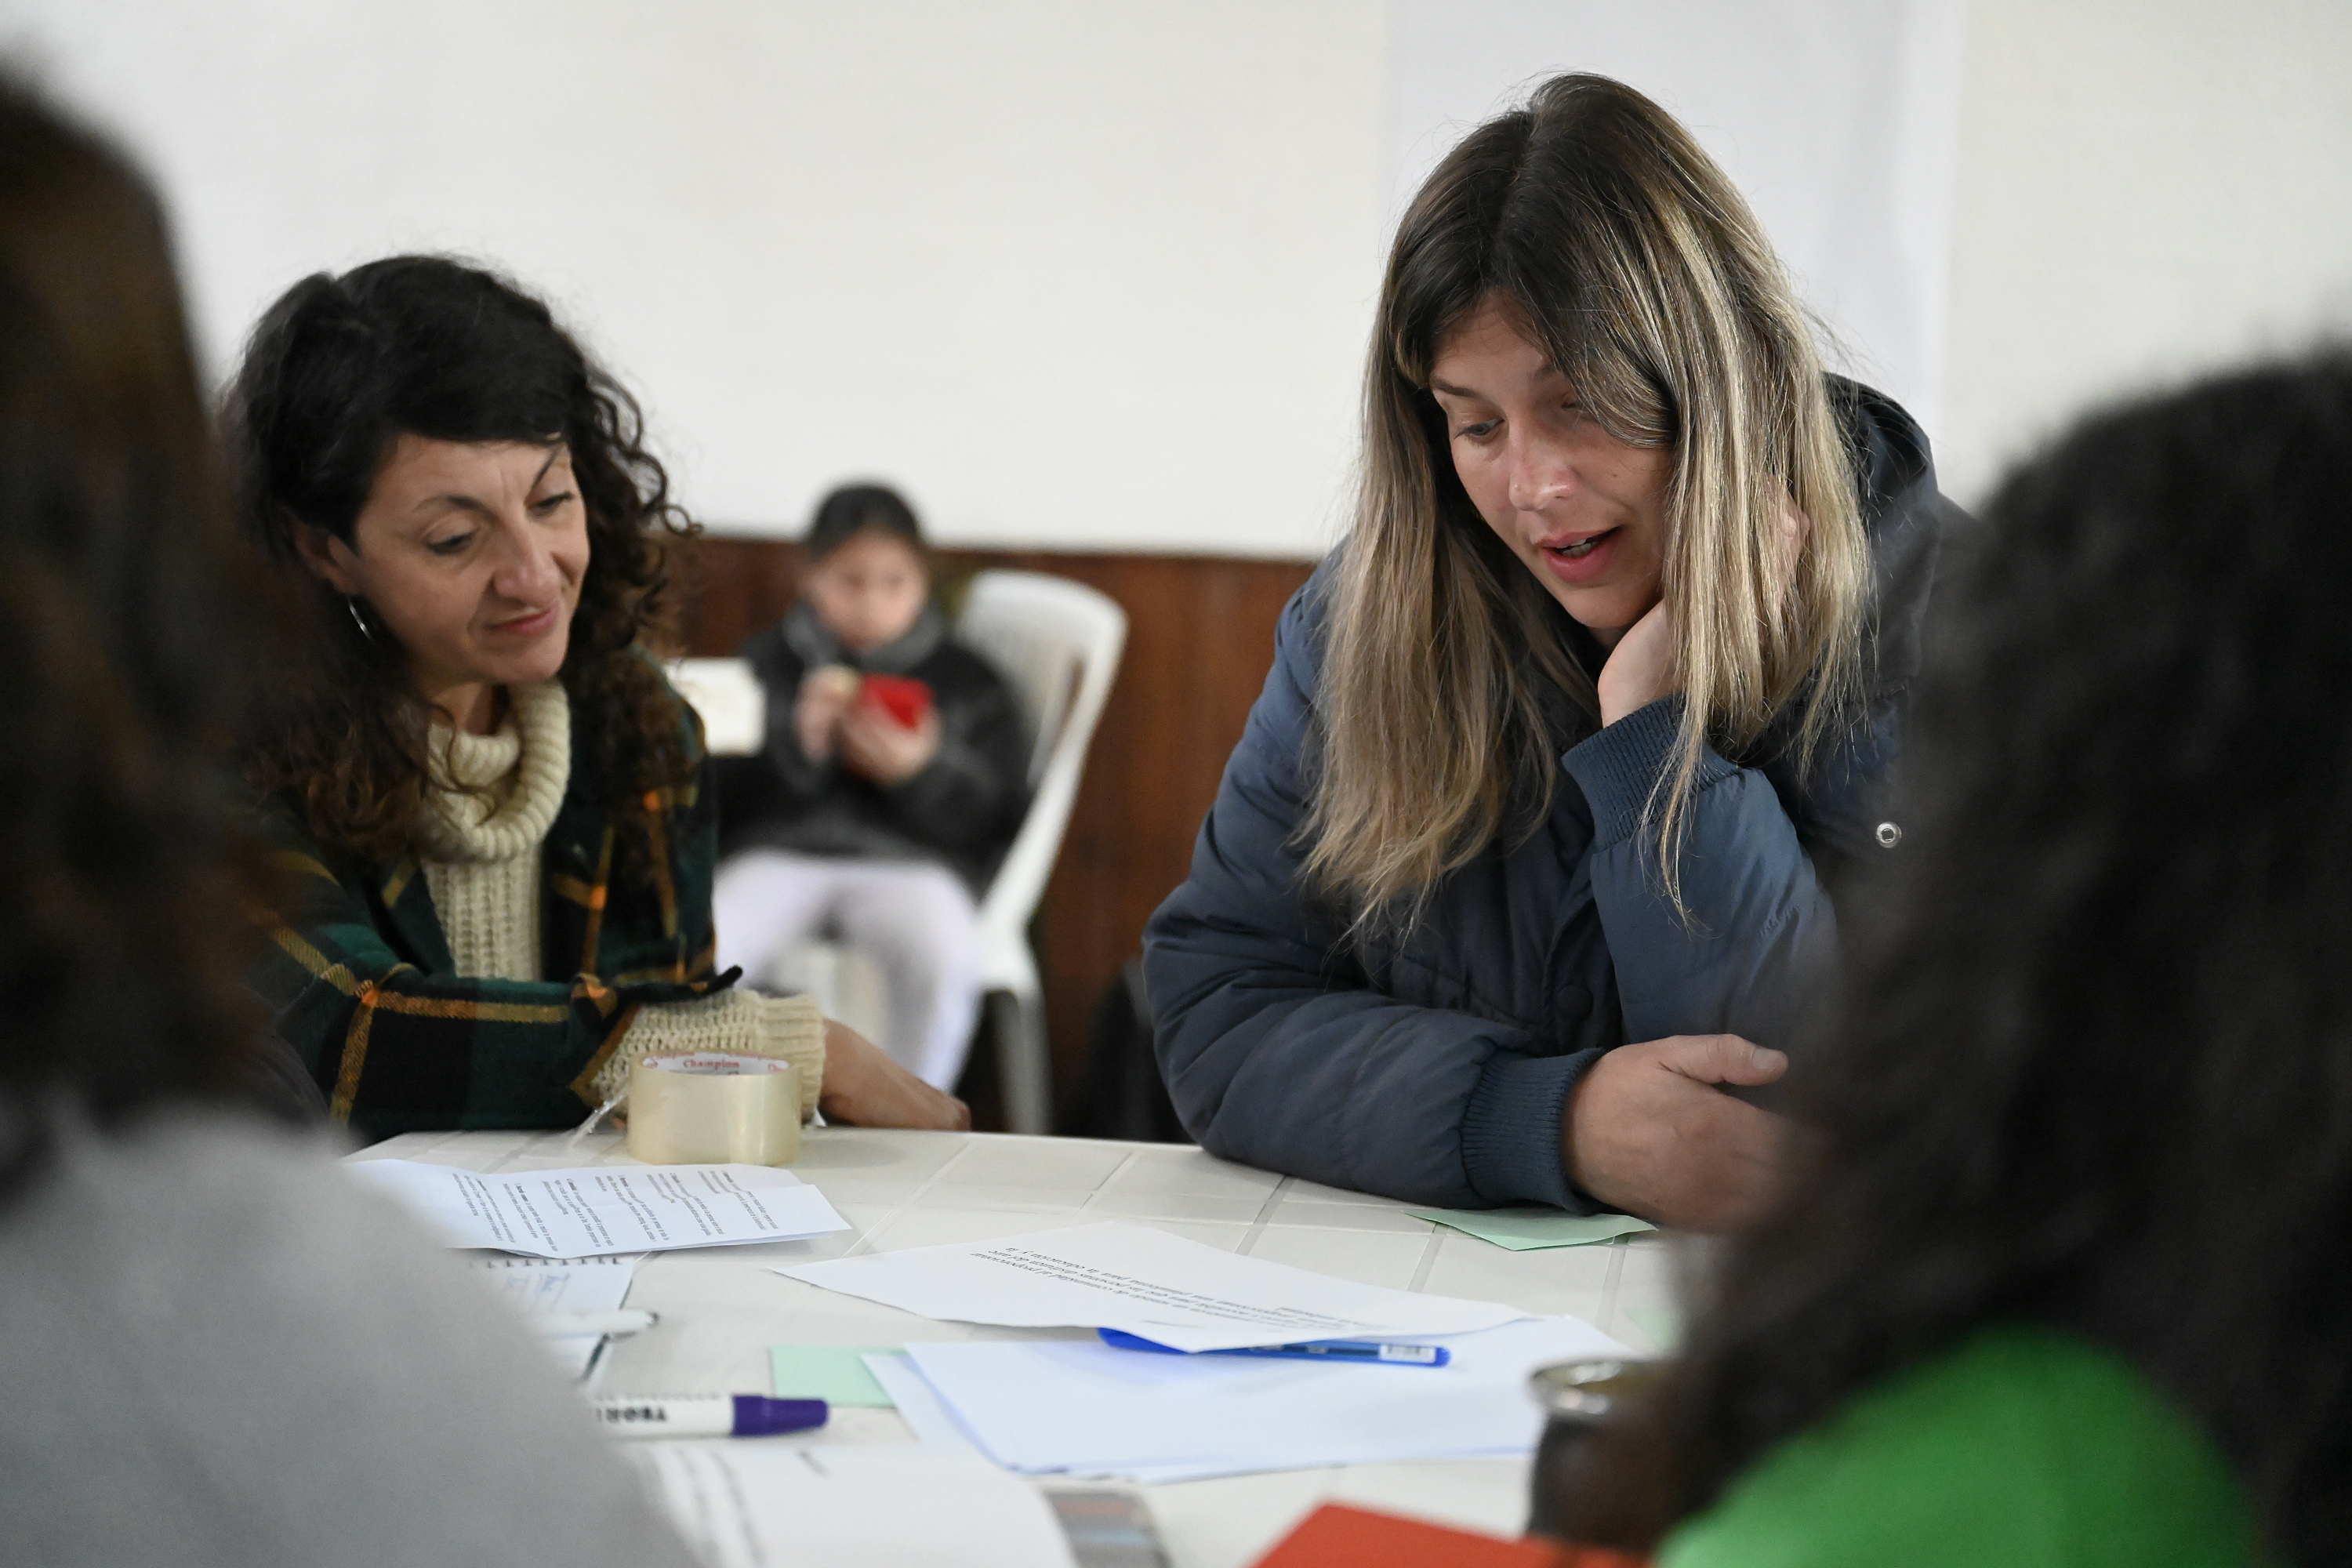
x=714, y=1108
x=719, y=1063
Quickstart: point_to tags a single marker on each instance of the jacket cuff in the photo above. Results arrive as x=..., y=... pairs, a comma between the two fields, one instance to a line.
x=1511, y=1146
x=1620, y=767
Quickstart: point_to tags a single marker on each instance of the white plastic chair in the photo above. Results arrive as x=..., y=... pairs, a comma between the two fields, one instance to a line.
x=1057, y=642
x=728, y=697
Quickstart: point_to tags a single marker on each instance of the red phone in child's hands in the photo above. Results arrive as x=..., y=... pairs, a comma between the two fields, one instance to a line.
x=905, y=700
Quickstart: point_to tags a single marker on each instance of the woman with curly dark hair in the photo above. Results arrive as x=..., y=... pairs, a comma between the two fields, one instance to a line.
x=2062, y=1278
x=498, y=812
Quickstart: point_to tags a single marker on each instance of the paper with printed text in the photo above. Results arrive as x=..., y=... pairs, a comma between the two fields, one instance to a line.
x=603, y=1209
x=1166, y=1289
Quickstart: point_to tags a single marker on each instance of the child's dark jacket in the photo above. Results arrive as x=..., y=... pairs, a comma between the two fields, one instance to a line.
x=963, y=809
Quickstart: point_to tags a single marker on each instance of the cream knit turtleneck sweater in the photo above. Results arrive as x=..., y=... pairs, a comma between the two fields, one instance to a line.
x=479, y=839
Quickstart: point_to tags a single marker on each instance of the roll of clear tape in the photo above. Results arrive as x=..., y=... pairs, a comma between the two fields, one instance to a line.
x=714, y=1108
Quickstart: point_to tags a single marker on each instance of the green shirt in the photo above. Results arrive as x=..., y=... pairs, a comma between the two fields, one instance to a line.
x=2022, y=1446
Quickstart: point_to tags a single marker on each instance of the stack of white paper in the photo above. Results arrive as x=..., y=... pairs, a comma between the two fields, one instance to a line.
x=1080, y=1407
x=1071, y=1407
x=753, y=1505
x=605, y=1209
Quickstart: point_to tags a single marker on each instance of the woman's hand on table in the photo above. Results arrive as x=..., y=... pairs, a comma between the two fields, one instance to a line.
x=1641, y=668
x=865, y=1087
x=1649, y=1130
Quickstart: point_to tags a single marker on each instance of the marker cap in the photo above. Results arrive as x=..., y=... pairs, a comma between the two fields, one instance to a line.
x=756, y=1416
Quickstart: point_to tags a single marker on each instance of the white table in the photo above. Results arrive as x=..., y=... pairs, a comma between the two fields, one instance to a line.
x=722, y=1308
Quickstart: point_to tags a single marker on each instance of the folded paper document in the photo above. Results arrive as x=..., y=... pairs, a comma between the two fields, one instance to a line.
x=1159, y=1287
x=605, y=1209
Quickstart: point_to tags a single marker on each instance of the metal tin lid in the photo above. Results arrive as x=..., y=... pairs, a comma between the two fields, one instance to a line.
x=1587, y=1391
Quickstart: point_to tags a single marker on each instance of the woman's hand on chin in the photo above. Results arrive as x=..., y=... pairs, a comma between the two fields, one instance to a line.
x=1641, y=668
x=865, y=1087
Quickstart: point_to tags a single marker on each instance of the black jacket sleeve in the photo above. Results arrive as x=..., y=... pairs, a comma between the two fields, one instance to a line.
x=1277, y=1051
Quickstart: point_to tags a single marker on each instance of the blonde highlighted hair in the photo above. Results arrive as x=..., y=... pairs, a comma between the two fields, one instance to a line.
x=1596, y=223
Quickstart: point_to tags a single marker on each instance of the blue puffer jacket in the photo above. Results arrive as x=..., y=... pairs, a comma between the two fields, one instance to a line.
x=1436, y=1068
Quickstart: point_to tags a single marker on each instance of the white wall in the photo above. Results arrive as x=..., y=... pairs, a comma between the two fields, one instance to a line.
x=2147, y=188
x=1098, y=276
x=1076, y=275
x=1835, y=118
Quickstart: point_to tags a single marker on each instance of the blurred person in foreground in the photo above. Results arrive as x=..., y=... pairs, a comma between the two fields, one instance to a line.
x=2062, y=1276
x=501, y=816
x=891, y=784
x=217, y=1351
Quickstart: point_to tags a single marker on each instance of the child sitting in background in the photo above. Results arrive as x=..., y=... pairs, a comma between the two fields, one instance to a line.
x=894, y=778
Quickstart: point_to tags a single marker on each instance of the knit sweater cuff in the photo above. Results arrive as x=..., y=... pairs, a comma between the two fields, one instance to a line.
x=1511, y=1144
x=1620, y=767
x=742, y=1021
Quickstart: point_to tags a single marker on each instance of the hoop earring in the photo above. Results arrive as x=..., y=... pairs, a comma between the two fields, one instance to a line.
x=359, y=617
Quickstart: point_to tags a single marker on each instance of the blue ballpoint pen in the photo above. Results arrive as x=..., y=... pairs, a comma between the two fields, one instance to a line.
x=1365, y=1352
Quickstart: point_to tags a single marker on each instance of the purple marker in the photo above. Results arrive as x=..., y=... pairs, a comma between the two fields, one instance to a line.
x=708, y=1416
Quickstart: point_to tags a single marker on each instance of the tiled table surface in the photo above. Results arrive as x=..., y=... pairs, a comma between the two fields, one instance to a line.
x=721, y=1306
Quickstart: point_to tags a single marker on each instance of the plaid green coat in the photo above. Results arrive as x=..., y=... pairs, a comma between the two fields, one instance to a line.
x=359, y=975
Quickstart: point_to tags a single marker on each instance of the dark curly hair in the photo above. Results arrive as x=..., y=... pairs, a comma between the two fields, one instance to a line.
x=126, y=628
x=2097, y=1066
x=338, y=370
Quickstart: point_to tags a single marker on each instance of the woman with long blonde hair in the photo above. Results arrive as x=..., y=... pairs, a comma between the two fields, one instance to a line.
x=1523, y=856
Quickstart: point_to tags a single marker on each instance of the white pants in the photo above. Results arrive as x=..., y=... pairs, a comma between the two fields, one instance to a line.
x=916, y=921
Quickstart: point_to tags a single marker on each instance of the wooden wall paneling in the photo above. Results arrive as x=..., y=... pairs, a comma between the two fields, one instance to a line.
x=1199, y=641
x=730, y=588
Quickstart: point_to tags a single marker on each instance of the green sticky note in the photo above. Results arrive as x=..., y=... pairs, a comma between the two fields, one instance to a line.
x=1663, y=1324
x=831, y=1373
x=1521, y=1229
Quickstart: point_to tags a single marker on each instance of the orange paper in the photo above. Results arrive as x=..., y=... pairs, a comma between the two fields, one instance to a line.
x=1337, y=1536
